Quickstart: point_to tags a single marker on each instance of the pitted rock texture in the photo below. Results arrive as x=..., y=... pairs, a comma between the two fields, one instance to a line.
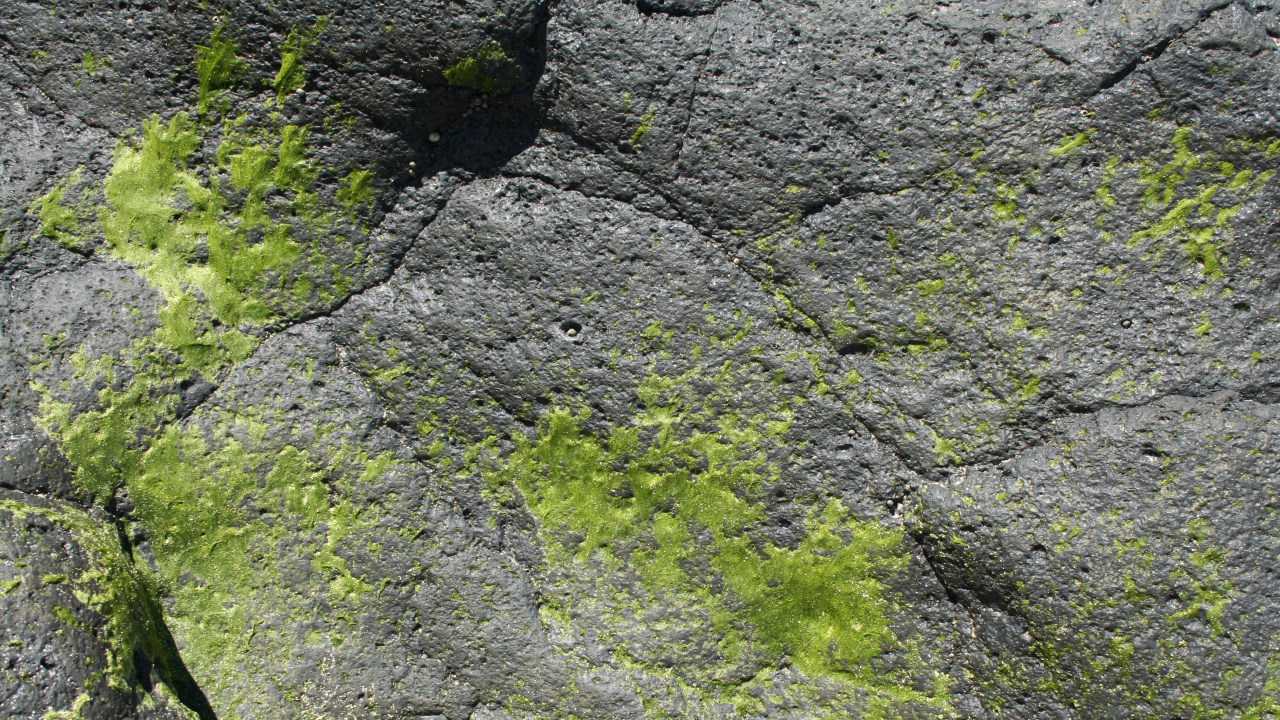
x=654, y=359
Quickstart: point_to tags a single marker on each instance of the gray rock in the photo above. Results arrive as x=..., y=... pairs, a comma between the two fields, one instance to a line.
x=604, y=359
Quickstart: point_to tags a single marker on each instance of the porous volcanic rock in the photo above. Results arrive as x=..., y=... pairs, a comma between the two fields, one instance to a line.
x=640, y=359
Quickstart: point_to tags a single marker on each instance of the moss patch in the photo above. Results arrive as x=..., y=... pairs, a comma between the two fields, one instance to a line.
x=224, y=512
x=110, y=586
x=676, y=497
x=1202, y=216
x=480, y=72
x=292, y=75
x=217, y=68
x=227, y=218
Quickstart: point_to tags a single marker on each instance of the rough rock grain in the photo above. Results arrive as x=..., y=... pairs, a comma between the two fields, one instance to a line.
x=654, y=359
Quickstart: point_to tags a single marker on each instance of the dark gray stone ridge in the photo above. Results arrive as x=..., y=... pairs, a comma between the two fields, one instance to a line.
x=508, y=360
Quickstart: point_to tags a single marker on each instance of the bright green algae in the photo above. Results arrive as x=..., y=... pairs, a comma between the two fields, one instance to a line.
x=218, y=214
x=225, y=218
x=109, y=585
x=114, y=588
x=222, y=240
x=821, y=602
x=1173, y=210
x=1201, y=223
x=478, y=72
x=676, y=497
x=223, y=566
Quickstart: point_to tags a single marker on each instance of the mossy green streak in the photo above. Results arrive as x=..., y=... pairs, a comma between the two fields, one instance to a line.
x=221, y=564
x=293, y=74
x=823, y=603
x=223, y=216
x=1201, y=221
x=111, y=586
x=217, y=68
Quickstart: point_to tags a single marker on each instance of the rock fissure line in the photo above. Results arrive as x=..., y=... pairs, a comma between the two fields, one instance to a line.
x=396, y=262
x=1153, y=52
x=693, y=93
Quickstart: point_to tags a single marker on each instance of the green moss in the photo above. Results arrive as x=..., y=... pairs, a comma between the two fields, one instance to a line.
x=113, y=588
x=355, y=190
x=1200, y=218
x=1267, y=706
x=221, y=509
x=292, y=75
x=91, y=65
x=102, y=444
x=947, y=449
x=1070, y=143
x=216, y=252
x=678, y=505
x=226, y=221
x=478, y=72
x=1005, y=206
x=217, y=68
x=1175, y=219
x=57, y=221
x=1162, y=183
x=225, y=255
x=75, y=713
x=1103, y=195
x=646, y=122
x=65, y=615
x=927, y=288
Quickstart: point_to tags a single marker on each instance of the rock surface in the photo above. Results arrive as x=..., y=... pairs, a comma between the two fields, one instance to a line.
x=655, y=359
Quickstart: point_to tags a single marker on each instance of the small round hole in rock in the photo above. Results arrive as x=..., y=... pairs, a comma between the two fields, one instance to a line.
x=571, y=328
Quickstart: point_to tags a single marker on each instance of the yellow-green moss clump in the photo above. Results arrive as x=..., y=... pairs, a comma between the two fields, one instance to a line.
x=225, y=217
x=479, y=72
x=114, y=588
x=233, y=239
x=1203, y=217
x=223, y=510
x=675, y=498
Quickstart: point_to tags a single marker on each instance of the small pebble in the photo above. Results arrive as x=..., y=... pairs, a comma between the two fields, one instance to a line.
x=434, y=137
x=1126, y=323
x=571, y=332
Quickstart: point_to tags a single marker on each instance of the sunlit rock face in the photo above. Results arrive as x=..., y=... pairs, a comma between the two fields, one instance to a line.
x=656, y=359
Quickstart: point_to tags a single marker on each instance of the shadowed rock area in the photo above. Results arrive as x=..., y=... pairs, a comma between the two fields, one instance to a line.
x=613, y=359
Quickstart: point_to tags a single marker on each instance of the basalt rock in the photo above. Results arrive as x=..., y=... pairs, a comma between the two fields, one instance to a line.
x=610, y=359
